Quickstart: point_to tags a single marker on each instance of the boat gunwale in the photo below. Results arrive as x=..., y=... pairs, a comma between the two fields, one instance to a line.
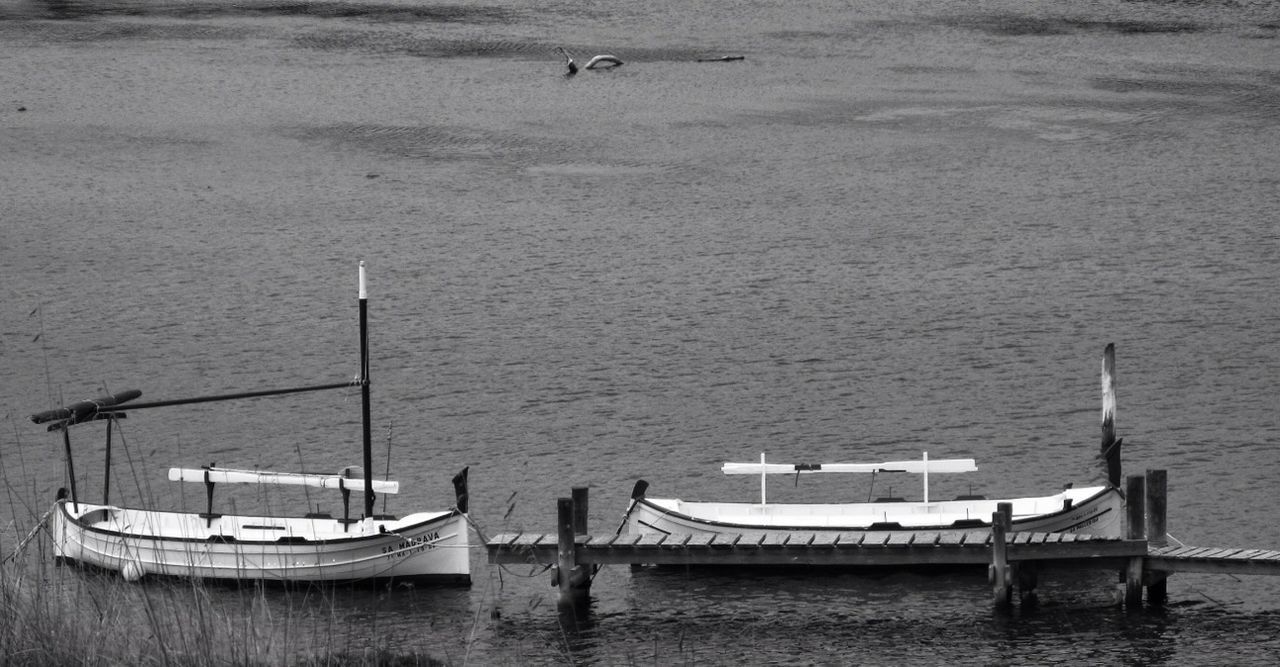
x=446, y=579
x=309, y=544
x=1098, y=497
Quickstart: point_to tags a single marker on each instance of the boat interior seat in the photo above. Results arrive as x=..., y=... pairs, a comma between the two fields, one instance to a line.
x=96, y=516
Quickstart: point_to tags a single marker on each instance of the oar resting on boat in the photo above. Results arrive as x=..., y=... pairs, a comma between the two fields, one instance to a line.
x=336, y=481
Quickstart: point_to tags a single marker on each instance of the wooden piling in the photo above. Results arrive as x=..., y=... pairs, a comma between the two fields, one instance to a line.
x=1001, y=575
x=574, y=579
x=566, y=557
x=580, y=510
x=1157, y=531
x=1157, y=507
x=1135, y=529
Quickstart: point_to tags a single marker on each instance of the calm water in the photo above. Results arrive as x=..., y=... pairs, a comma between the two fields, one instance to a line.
x=892, y=227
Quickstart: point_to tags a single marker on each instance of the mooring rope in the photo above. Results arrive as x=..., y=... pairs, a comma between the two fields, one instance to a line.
x=30, y=536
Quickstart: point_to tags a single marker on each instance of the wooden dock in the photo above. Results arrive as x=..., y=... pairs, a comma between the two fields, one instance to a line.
x=1213, y=560
x=846, y=550
x=1011, y=557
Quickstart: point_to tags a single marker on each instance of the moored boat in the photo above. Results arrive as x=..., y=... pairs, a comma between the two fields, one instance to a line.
x=1094, y=510
x=428, y=546
x=1089, y=510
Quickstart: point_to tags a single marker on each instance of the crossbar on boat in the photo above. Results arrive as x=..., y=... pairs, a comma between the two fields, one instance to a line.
x=919, y=467
x=335, y=481
x=922, y=467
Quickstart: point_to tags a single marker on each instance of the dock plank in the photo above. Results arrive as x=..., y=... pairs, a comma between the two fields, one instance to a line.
x=824, y=540
x=874, y=539
x=773, y=540
x=726, y=540
x=529, y=539
x=503, y=539
x=925, y=539
x=651, y=540
x=900, y=539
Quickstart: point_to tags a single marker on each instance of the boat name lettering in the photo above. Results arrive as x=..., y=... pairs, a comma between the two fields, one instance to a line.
x=411, y=546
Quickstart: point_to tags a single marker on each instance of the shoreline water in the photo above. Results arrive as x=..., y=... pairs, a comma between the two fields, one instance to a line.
x=888, y=229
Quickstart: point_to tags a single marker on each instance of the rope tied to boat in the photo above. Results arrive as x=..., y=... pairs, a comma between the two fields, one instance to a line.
x=41, y=523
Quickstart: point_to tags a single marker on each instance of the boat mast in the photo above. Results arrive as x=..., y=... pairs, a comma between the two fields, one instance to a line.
x=364, y=396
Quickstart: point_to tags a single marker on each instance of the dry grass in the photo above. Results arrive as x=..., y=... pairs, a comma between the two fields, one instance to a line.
x=62, y=616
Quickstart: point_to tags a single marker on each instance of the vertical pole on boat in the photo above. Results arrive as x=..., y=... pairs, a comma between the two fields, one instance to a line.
x=71, y=469
x=926, y=478
x=763, y=476
x=106, y=467
x=1110, y=446
x=1135, y=529
x=364, y=396
x=208, y=496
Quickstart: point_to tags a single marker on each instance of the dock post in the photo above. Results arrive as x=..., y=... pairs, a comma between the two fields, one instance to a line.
x=1135, y=529
x=571, y=577
x=1001, y=574
x=1157, y=531
x=580, y=510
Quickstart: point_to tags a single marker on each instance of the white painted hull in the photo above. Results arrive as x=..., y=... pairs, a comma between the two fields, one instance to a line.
x=1092, y=511
x=427, y=546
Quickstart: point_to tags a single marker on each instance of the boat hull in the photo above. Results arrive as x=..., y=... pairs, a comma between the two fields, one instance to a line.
x=1091, y=511
x=430, y=547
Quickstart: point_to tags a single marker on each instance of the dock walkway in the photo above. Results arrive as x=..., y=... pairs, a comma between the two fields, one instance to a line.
x=1171, y=559
x=1010, y=556
x=816, y=549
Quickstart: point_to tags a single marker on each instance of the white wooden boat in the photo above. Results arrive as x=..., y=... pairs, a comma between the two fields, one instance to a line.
x=1092, y=510
x=429, y=546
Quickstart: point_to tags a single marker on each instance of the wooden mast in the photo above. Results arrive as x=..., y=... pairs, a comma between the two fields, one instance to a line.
x=364, y=396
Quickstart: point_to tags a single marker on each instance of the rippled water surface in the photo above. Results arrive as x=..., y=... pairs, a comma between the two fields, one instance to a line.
x=890, y=227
